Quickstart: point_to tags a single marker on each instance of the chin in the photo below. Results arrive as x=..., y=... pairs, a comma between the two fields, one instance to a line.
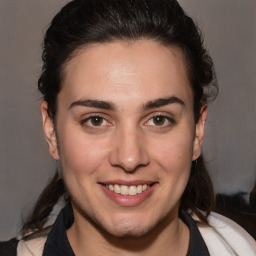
x=127, y=225
x=132, y=227
x=131, y=231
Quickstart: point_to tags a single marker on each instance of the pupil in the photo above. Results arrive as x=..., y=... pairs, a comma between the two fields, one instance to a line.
x=159, y=120
x=96, y=120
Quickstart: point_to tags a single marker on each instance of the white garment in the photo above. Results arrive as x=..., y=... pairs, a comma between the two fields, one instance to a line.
x=223, y=238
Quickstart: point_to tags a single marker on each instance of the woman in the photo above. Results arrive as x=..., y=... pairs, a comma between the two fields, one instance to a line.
x=125, y=86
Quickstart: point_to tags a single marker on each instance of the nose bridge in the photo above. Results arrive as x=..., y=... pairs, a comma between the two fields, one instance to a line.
x=129, y=151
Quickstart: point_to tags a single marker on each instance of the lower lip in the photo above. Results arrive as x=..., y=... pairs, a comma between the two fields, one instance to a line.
x=129, y=200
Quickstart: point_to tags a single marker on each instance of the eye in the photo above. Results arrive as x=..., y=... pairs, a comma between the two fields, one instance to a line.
x=95, y=121
x=159, y=120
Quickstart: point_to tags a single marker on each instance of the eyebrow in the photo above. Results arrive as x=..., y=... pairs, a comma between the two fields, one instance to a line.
x=110, y=106
x=162, y=102
x=94, y=104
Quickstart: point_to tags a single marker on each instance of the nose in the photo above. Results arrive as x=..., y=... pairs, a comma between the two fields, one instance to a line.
x=129, y=151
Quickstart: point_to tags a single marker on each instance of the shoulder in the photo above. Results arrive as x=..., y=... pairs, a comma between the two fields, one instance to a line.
x=33, y=247
x=30, y=245
x=9, y=248
x=24, y=247
x=224, y=235
x=33, y=244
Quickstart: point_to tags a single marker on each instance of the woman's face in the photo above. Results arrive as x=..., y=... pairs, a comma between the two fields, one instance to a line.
x=126, y=135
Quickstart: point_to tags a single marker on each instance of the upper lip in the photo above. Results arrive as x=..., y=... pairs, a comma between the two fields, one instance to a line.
x=128, y=183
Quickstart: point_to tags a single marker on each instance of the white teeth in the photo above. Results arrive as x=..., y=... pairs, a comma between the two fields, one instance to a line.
x=124, y=190
x=127, y=190
x=132, y=191
x=117, y=189
x=139, y=189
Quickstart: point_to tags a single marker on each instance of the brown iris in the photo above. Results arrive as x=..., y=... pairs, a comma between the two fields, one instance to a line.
x=158, y=120
x=96, y=120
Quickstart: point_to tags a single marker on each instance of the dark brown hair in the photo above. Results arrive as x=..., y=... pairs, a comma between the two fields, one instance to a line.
x=83, y=22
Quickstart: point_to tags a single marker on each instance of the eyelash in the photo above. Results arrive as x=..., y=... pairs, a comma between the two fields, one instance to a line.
x=168, y=121
x=90, y=118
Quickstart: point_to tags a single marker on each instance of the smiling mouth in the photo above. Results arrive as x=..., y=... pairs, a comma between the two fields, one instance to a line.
x=128, y=190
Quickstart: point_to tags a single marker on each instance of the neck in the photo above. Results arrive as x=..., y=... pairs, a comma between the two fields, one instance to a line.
x=169, y=237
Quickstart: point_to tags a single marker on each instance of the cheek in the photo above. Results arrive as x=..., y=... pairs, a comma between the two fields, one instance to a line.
x=174, y=156
x=174, y=151
x=80, y=154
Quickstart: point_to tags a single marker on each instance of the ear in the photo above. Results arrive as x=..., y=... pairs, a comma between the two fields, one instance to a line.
x=49, y=131
x=199, y=133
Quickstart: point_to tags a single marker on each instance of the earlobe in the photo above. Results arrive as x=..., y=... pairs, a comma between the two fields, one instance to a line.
x=199, y=133
x=49, y=131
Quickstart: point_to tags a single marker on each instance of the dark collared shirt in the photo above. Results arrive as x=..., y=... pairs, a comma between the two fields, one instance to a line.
x=57, y=243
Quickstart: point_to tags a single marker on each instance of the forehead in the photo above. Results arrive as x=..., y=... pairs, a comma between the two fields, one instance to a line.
x=126, y=73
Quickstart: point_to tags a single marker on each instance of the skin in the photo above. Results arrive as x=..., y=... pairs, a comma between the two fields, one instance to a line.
x=127, y=144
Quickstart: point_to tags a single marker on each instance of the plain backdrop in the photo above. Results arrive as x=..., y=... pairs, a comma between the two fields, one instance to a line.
x=25, y=165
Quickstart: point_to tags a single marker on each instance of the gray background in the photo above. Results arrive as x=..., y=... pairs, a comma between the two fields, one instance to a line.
x=230, y=146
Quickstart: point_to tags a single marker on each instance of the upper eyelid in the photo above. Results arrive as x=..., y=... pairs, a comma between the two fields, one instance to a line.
x=85, y=119
x=90, y=115
x=108, y=118
x=170, y=122
x=170, y=119
x=163, y=114
x=160, y=113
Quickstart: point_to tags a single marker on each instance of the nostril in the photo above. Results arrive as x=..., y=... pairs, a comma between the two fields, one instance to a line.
x=128, y=154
